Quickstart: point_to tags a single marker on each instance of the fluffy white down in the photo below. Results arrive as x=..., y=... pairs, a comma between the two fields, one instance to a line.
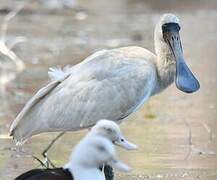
x=90, y=154
x=104, y=126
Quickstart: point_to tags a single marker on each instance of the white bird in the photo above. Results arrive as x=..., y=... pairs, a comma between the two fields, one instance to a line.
x=110, y=84
x=92, y=157
x=111, y=131
x=105, y=128
x=90, y=154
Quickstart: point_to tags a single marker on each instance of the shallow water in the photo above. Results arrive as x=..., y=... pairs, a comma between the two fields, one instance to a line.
x=175, y=132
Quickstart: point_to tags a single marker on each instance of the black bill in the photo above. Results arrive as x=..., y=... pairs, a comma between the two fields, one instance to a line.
x=185, y=80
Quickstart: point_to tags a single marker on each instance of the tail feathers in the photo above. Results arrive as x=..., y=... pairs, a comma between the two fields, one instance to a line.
x=19, y=135
x=58, y=74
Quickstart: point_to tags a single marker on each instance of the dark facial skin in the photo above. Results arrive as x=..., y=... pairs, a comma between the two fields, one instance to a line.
x=185, y=80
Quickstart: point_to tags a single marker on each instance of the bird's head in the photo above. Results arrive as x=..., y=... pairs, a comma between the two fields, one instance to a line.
x=109, y=129
x=167, y=33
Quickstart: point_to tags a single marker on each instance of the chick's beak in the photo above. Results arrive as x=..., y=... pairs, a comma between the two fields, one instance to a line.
x=125, y=144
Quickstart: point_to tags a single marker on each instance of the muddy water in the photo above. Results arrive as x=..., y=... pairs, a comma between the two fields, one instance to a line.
x=175, y=132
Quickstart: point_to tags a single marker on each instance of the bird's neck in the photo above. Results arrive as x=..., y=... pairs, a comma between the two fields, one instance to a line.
x=166, y=67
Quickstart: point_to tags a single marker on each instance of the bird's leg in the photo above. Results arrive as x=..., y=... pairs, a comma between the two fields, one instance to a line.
x=108, y=171
x=47, y=161
x=44, y=153
x=42, y=163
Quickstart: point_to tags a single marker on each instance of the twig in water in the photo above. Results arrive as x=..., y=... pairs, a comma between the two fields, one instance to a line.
x=190, y=144
x=4, y=48
x=209, y=131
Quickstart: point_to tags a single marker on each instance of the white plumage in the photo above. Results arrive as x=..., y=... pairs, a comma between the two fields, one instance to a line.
x=90, y=154
x=110, y=84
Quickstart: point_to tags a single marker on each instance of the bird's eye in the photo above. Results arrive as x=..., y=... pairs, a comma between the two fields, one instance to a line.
x=122, y=140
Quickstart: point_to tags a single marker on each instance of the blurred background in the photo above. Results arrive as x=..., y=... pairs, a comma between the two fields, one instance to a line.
x=176, y=132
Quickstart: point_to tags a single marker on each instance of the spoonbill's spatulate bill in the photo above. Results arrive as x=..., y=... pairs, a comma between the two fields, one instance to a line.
x=90, y=154
x=185, y=80
x=110, y=84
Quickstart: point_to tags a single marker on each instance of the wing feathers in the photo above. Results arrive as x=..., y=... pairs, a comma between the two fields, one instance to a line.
x=35, y=99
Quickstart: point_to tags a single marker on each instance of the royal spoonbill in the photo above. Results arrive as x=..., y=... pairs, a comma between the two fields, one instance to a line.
x=110, y=84
x=86, y=158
